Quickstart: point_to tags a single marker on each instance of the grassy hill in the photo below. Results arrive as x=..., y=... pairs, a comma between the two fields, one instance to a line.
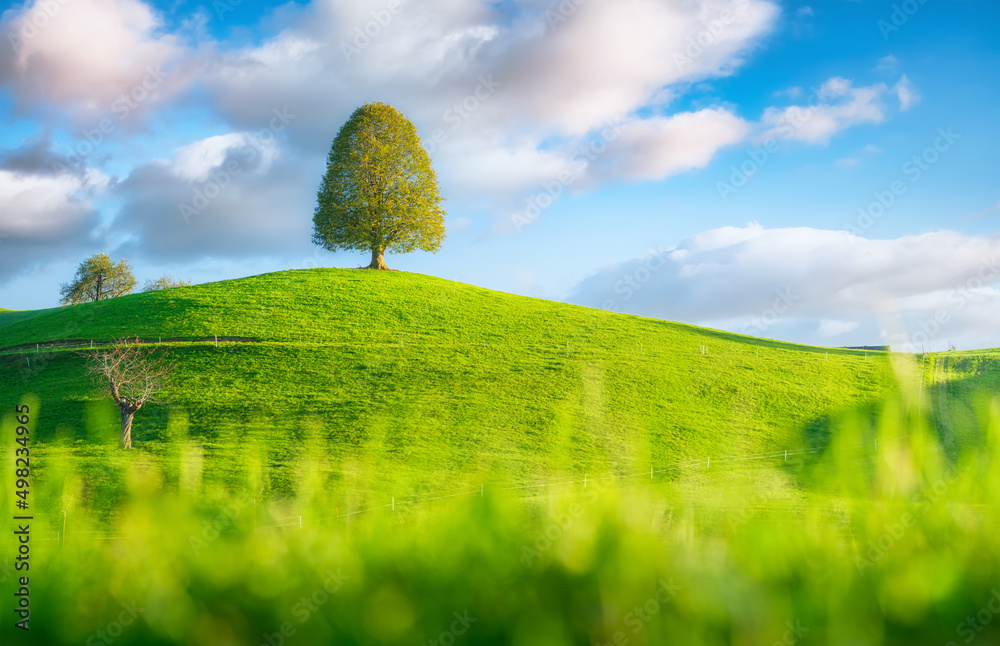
x=410, y=375
x=403, y=382
x=9, y=317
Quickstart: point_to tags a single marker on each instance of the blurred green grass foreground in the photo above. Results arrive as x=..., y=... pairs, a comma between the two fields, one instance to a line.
x=852, y=545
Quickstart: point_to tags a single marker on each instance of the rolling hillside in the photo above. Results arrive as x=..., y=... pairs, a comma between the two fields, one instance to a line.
x=403, y=383
x=9, y=317
x=410, y=374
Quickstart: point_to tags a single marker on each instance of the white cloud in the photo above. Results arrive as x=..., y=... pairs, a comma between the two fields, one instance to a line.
x=46, y=215
x=835, y=87
x=657, y=147
x=280, y=51
x=810, y=285
x=88, y=59
x=835, y=106
x=43, y=206
x=608, y=59
x=231, y=196
x=196, y=161
x=487, y=164
x=904, y=90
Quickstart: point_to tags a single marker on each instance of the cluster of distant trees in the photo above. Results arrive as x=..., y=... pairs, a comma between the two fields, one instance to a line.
x=99, y=278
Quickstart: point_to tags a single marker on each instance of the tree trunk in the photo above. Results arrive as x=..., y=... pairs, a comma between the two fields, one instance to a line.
x=378, y=259
x=126, y=439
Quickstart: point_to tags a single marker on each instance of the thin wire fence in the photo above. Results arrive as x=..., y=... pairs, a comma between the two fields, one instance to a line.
x=556, y=347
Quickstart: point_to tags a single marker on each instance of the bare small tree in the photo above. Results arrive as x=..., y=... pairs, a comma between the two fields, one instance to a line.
x=133, y=375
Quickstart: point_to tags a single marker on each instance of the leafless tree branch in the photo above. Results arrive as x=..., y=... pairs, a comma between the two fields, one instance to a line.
x=133, y=375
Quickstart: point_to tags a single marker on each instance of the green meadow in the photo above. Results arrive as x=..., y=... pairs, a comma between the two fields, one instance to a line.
x=354, y=457
x=426, y=379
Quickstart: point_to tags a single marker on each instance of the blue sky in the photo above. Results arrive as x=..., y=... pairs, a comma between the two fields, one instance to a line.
x=821, y=172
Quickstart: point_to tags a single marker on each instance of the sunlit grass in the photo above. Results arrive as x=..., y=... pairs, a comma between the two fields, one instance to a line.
x=851, y=546
x=407, y=375
x=295, y=493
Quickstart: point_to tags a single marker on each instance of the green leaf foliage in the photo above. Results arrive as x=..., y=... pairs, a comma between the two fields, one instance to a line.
x=379, y=192
x=97, y=279
x=165, y=281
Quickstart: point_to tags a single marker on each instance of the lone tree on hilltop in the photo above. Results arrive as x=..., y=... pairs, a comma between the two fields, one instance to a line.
x=379, y=192
x=98, y=278
x=133, y=375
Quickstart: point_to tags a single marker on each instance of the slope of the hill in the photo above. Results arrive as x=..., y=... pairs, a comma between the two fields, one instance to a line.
x=9, y=317
x=400, y=371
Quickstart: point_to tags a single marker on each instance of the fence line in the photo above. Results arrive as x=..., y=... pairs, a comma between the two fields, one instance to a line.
x=557, y=348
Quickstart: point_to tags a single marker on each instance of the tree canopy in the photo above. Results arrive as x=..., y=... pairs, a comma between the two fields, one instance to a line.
x=165, y=281
x=379, y=192
x=98, y=278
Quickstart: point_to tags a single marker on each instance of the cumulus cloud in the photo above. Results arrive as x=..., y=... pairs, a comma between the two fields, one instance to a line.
x=44, y=207
x=231, y=196
x=834, y=106
x=197, y=161
x=47, y=206
x=601, y=63
x=657, y=147
x=87, y=59
x=813, y=285
x=484, y=165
